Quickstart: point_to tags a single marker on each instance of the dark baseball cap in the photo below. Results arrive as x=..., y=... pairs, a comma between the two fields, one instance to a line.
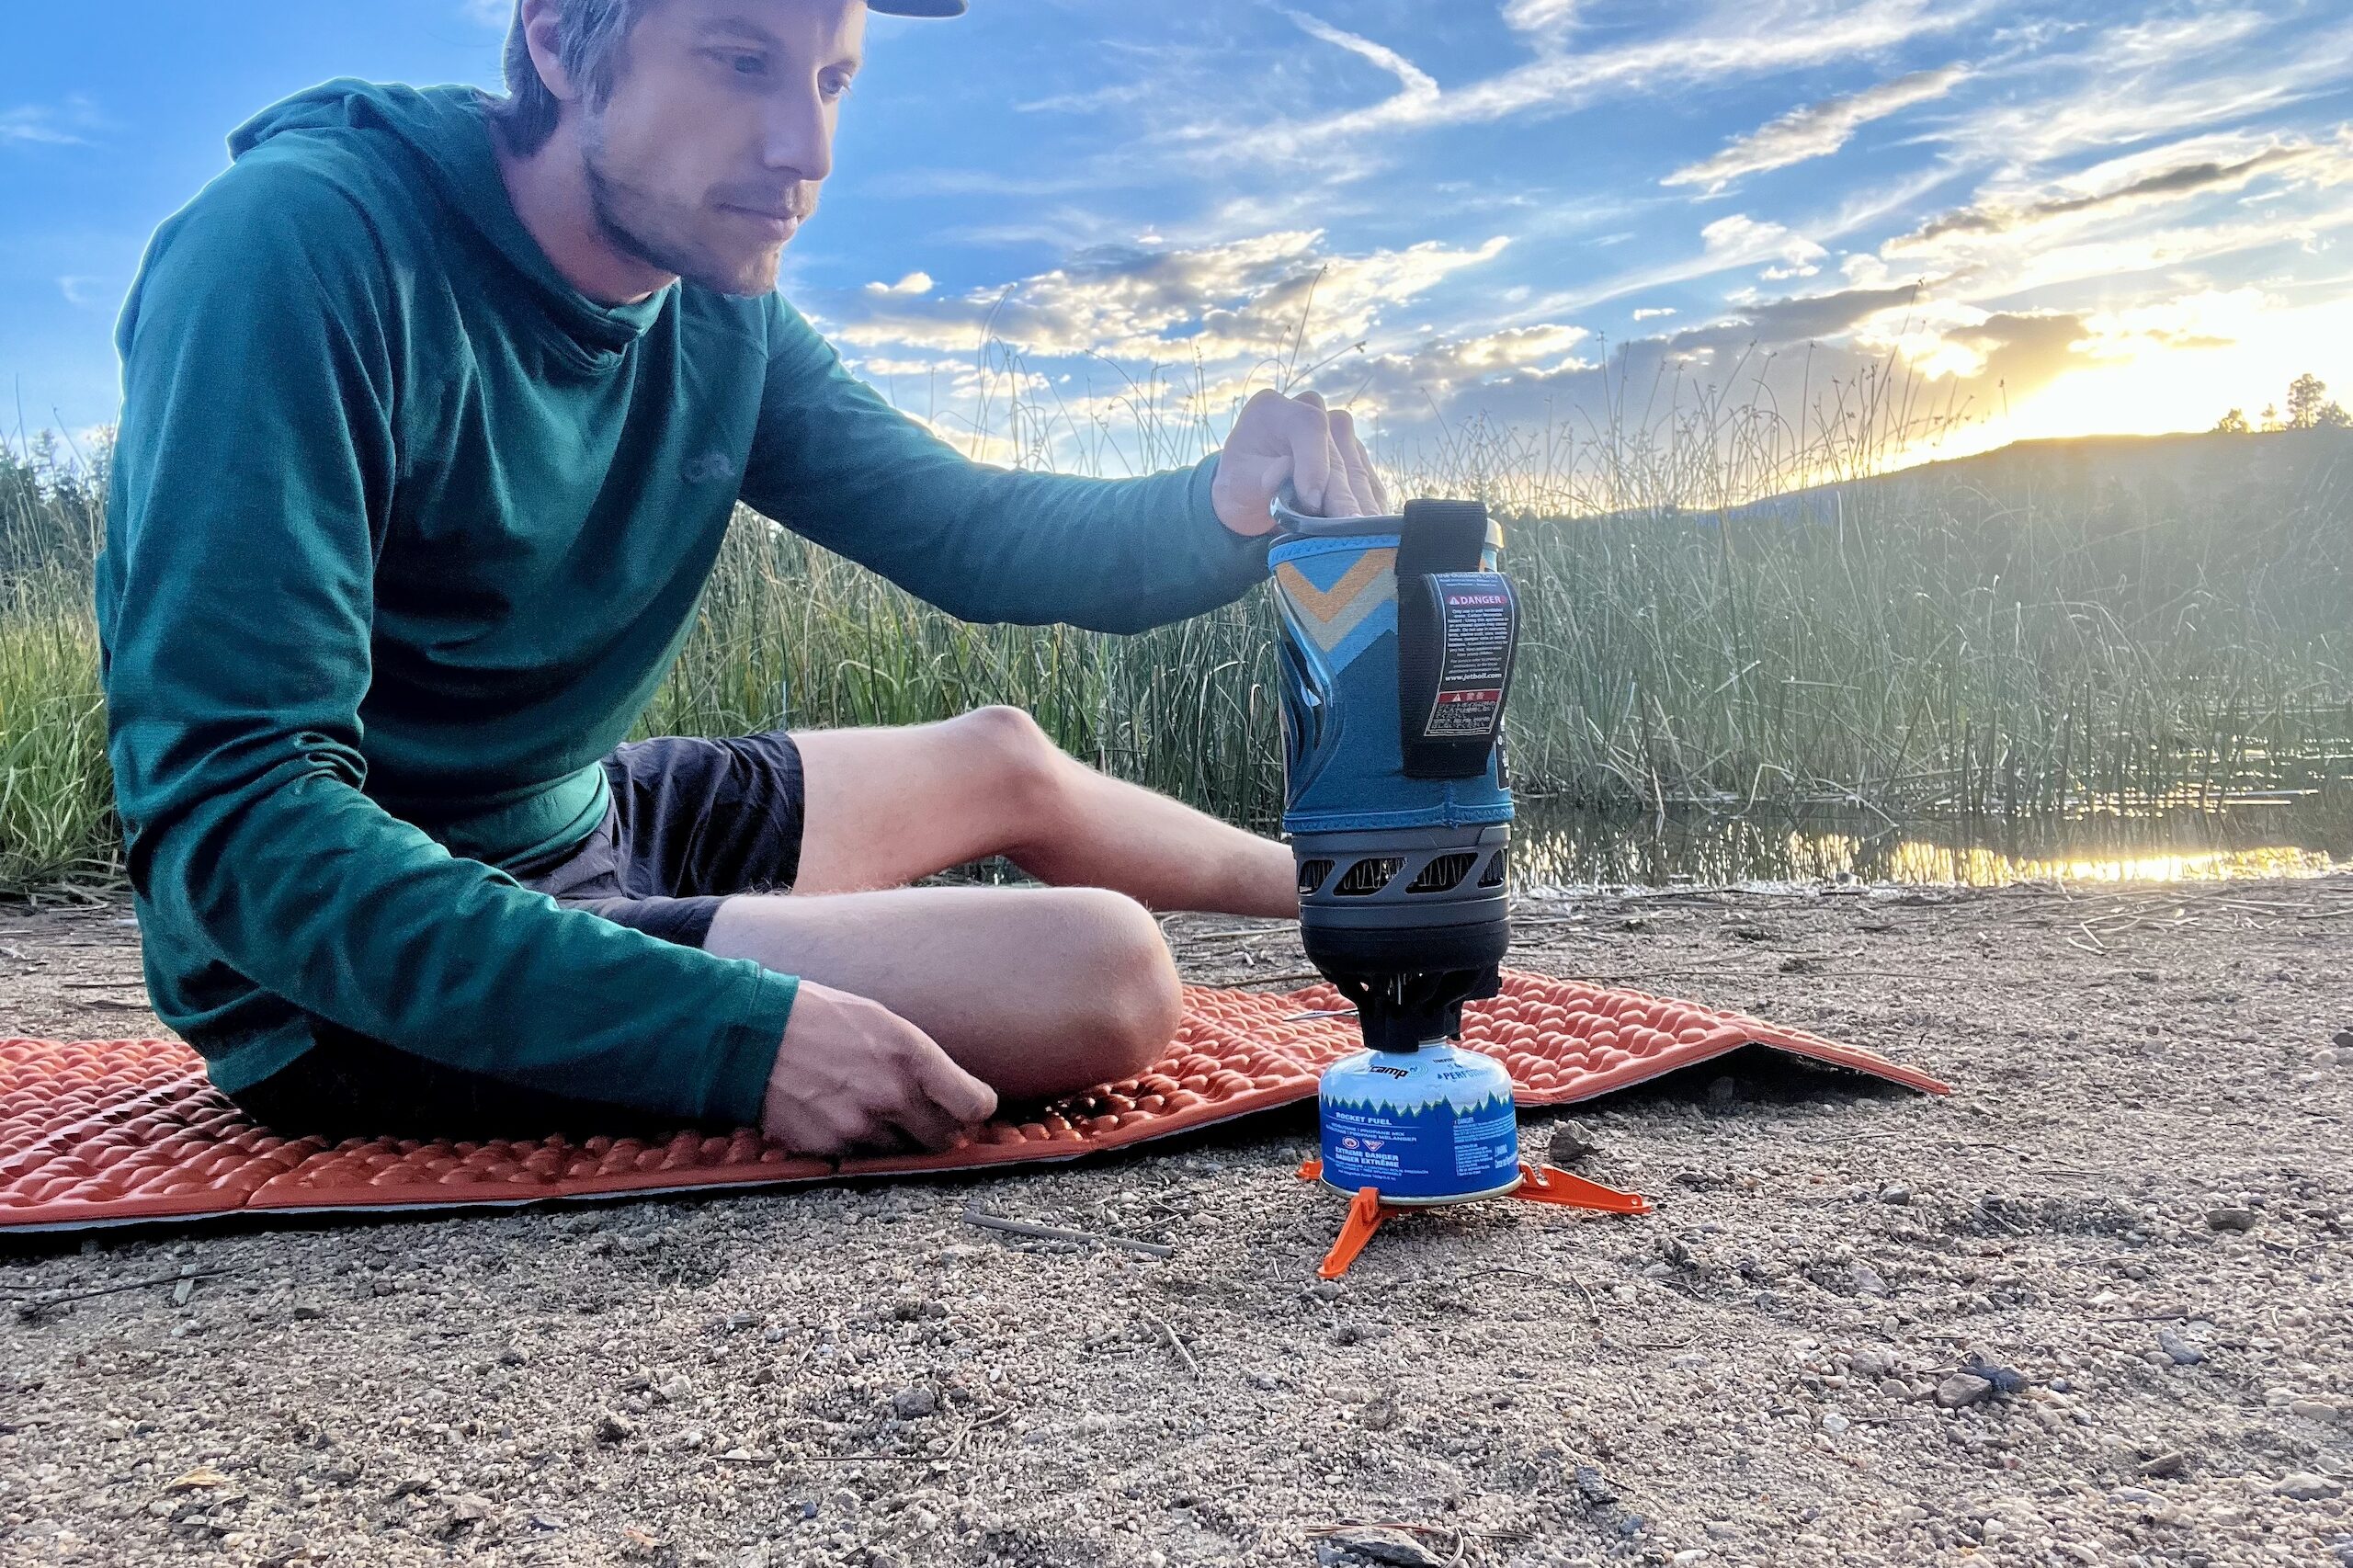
x=917, y=7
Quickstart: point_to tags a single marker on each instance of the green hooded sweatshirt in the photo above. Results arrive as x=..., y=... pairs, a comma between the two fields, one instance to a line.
x=404, y=532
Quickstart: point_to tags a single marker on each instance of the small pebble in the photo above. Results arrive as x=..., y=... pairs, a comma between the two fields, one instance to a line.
x=1897, y=1195
x=1571, y=1143
x=2231, y=1218
x=2182, y=1351
x=914, y=1403
x=1963, y=1390
x=2306, y=1488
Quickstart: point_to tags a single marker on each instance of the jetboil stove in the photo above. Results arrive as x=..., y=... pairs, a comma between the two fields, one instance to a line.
x=1399, y=637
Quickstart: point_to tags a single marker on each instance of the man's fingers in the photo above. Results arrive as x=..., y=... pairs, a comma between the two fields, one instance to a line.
x=925, y=1124
x=1363, y=483
x=964, y=1098
x=1312, y=468
x=1341, y=500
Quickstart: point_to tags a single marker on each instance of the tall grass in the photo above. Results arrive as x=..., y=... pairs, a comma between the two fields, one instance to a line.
x=56, y=806
x=1722, y=608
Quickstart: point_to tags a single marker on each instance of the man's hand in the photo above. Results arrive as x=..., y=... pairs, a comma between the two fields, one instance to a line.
x=852, y=1072
x=1298, y=441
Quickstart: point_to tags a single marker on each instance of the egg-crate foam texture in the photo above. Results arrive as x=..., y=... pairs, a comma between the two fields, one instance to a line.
x=116, y=1131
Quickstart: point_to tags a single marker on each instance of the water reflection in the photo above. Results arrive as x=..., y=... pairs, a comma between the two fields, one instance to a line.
x=1557, y=847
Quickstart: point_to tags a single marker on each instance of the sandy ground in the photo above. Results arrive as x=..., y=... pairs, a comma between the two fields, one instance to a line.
x=2132, y=1216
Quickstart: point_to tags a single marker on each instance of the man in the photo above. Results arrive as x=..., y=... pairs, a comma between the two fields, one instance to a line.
x=435, y=409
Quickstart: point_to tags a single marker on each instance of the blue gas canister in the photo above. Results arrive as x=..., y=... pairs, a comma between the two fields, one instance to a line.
x=1429, y=1126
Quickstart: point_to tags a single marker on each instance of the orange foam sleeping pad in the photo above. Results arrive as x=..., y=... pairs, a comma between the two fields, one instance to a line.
x=113, y=1131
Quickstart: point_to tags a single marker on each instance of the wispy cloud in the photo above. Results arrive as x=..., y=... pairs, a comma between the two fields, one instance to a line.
x=1412, y=80
x=1751, y=41
x=1815, y=130
x=79, y=288
x=2125, y=186
x=2155, y=79
x=43, y=125
x=487, y=12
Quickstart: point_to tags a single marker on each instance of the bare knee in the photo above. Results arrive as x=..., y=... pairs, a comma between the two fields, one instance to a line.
x=1015, y=763
x=1129, y=999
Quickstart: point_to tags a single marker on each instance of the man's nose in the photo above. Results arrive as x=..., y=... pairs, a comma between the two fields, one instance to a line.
x=797, y=136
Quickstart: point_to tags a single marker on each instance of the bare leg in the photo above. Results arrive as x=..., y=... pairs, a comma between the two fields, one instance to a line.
x=886, y=807
x=1035, y=991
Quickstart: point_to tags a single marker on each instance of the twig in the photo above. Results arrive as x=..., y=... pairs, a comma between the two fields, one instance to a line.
x=1176, y=1344
x=964, y=1433
x=988, y=1221
x=1290, y=977
x=1240, y=933
x=56, y=1300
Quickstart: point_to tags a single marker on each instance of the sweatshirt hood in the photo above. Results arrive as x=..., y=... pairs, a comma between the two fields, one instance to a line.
x=444, y=136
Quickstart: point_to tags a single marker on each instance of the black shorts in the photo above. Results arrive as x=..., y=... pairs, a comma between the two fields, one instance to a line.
x=692, y=821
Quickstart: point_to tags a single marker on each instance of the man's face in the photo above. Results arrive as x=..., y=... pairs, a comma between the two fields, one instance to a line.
x=708, y=155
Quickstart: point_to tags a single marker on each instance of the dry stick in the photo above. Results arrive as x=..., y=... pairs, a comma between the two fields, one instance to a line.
x=988, y=1221
x=1176, y=1344
x=115, y=1289
x=1286, y=978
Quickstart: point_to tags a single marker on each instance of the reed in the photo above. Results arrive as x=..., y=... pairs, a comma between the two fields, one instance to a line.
x=1724, y=606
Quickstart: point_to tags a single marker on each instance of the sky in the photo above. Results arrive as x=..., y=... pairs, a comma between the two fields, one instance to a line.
x=1096, y=224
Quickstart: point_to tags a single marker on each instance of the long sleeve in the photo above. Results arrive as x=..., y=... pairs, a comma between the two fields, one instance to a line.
x=835, y=463
x=255, y=473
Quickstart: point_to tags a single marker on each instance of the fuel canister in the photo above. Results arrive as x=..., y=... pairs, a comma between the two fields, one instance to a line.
x=1429, y=1126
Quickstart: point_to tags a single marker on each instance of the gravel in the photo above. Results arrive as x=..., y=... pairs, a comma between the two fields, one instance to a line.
x=741, y=1382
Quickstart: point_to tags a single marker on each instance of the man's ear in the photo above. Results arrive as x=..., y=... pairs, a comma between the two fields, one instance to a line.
x=543, y=27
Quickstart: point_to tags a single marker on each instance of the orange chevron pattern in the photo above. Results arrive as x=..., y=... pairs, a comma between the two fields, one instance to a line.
x=1327, y=615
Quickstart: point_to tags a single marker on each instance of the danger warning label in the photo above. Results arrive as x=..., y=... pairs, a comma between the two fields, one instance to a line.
x=1475, y=626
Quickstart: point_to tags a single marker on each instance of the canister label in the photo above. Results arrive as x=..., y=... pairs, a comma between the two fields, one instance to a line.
x=1434, y=1124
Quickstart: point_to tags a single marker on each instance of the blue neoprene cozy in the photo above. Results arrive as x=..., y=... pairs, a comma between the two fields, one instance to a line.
x=1343, y=767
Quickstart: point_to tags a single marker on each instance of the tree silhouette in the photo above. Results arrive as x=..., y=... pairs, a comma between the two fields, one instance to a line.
x=2307, y=394
x=2232, y=423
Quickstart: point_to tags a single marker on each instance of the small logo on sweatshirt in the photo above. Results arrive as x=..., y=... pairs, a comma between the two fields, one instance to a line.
x=707, y=467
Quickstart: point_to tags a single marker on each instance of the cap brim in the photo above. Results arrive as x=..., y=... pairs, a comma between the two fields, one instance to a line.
x=917, y=7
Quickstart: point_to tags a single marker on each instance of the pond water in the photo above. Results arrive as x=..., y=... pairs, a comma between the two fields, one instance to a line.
x=1562, y=847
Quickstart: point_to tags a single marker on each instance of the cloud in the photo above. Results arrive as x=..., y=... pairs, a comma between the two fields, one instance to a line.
x=2177, y=181
x=1815, y=130
x=2156, y=79
x=912, y=283
x=1779, y=35
x=79, y=288
x=1548, y=18
x=1231, y=304
x=1741, y=241
x=1501, y=367
x=488, y=13
x=1808, y=318
x=1412, y=80
x=1651, y=313
x=34, y=123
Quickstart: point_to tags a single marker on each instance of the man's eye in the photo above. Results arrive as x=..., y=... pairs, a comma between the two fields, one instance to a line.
x=741, y=63
x=835, y=86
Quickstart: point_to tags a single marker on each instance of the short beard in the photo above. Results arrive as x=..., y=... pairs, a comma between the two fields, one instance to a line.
x=657, y=231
